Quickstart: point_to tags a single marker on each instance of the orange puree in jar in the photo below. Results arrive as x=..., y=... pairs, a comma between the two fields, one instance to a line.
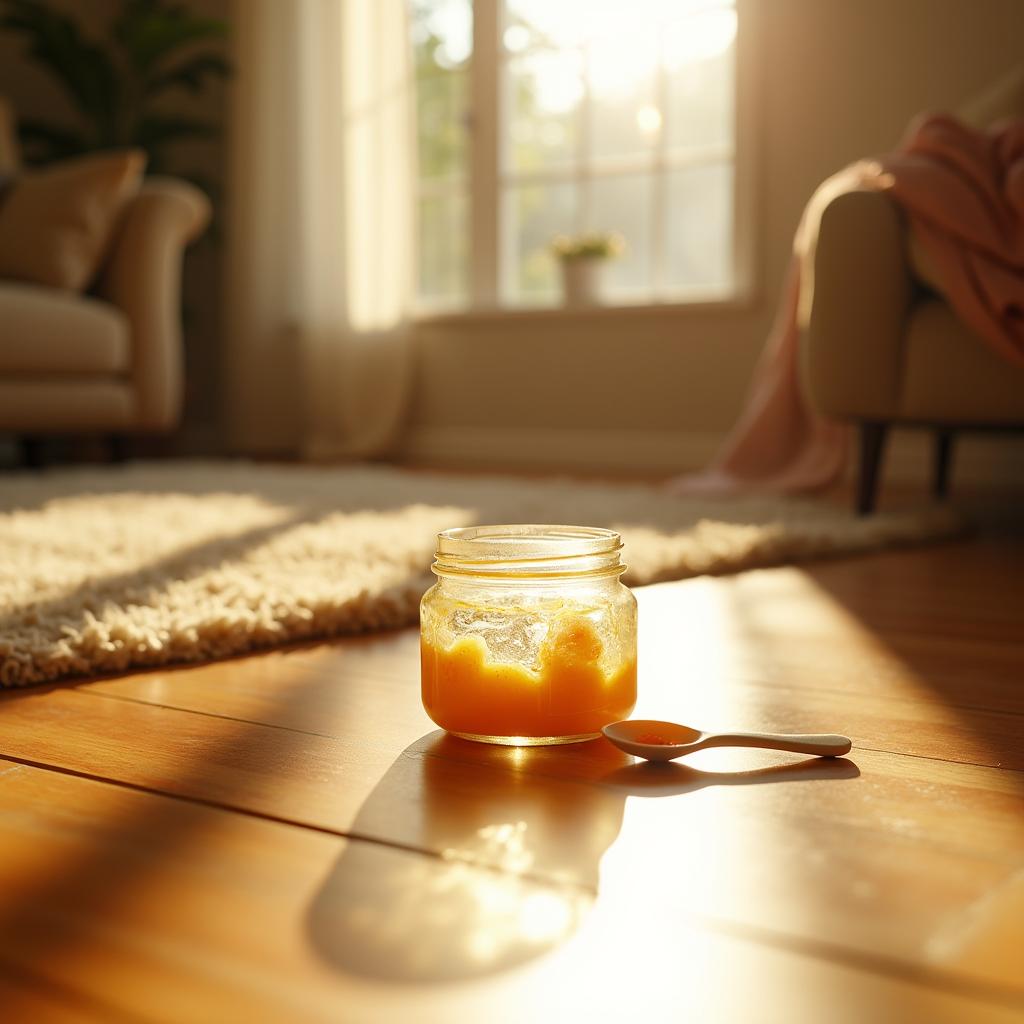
x=569, y=693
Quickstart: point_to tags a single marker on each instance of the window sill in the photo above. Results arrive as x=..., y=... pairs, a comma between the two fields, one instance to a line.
x=732, y=303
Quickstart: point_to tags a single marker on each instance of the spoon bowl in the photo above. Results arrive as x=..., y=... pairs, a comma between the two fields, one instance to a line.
x=665, y=741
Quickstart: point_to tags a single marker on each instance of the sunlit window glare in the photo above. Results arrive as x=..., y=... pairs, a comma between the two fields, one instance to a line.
x=612, y=116
x=704, y=35
x=648, y=119
x=556, y=79
x=574, y=22
x=516, y=38
x=450, y=22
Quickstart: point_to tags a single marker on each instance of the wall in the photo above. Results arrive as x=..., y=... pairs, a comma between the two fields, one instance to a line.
x=831, y=81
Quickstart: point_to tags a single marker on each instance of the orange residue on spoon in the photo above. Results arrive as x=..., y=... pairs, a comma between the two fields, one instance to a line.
x=652, y=738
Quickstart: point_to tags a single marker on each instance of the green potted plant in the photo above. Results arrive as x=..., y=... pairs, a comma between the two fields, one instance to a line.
x=582, y=259
x=116, y=84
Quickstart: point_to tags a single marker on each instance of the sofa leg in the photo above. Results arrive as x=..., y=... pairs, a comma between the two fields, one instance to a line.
x=30, y=452
x=872, y=445
x=943, y=461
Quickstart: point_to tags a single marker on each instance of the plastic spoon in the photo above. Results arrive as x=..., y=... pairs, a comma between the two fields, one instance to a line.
x=665, y=741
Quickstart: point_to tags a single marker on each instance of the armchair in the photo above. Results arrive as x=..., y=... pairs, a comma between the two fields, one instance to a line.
x=110, y=362
x=880, y=349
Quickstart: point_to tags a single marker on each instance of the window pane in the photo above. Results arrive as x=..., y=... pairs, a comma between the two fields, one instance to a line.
x=624, y=116
x=544, y=89
x=442, y=34
x=556, y=23
x=623, y=204
x=441, y=125
x=700, y=64
x=444, y=249
x=699, y=227
x=560, y=23
x=533, y=215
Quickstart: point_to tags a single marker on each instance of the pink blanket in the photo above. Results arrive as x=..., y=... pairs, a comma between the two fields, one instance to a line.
x=963, y=193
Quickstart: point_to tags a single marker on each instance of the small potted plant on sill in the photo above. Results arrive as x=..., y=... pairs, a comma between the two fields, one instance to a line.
x=583, y=258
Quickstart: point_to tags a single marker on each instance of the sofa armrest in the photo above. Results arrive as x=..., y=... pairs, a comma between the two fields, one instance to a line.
x=142, y=277
x=856, y=296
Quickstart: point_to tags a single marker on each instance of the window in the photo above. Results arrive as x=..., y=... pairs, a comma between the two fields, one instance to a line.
x=545, y=117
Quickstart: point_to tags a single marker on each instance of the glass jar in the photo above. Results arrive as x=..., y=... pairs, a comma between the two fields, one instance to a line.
x=528, y=637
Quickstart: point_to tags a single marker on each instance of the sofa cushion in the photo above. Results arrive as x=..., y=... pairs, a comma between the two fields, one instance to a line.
x=56, y=224
x=48, y=331
x=952, y=376
x=70, y=405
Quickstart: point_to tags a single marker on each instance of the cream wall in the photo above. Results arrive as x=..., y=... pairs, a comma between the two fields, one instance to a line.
x=654, y=391
x=831, y=81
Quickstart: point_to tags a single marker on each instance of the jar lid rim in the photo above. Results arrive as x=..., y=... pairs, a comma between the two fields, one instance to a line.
x=513, y=542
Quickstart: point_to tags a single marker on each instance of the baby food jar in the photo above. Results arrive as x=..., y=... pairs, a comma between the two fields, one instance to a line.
x=528, y=637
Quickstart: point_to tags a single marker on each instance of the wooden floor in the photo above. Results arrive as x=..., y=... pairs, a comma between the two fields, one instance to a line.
x=286, y=837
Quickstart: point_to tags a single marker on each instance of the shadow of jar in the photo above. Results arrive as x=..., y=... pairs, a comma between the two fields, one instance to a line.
x=516, y=837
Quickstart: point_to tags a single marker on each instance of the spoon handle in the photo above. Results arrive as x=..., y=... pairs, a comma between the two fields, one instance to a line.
x=827, y=745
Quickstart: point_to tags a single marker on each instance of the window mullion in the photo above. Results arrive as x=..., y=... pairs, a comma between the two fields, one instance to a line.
x=659, y=181
x=484, y=155
x=583, y=186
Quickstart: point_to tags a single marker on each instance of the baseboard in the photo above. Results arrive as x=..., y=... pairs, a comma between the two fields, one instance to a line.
x=640, y=452
x=988, y=460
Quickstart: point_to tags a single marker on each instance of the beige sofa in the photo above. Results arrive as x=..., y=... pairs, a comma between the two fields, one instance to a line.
x=110, y=362
x=880, y=349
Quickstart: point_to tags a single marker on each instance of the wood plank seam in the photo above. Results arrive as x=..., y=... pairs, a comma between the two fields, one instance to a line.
x=334, y=736
x=754, y=683
x=933, y=757
x=351, y=836
x=205, y=714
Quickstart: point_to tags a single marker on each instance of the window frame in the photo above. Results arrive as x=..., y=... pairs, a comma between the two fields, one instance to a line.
x=487, y=181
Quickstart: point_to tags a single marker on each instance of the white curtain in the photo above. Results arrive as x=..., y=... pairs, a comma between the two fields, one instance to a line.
x=320, y=226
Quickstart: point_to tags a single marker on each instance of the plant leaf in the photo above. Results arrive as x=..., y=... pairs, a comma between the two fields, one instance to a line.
x=189, y=74
x=150, y=30
x=84, y=70
x=44, y=142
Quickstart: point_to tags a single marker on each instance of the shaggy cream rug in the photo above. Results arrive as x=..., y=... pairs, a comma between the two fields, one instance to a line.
x=113, y=568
